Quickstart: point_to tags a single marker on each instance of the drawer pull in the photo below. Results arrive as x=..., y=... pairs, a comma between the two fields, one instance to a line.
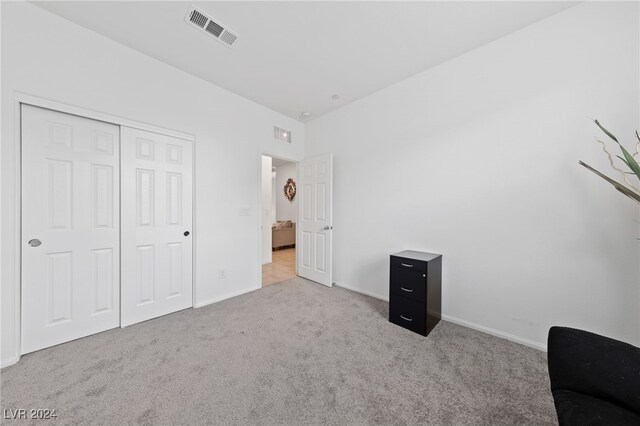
x=406, y=289
x=406, y=265
x=406, y=319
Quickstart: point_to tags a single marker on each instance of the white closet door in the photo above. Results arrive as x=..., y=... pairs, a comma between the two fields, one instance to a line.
x=156, y=225
x=70, y=215
x=315, y=222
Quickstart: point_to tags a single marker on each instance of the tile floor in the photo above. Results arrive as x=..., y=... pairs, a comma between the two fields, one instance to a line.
x=282, y=267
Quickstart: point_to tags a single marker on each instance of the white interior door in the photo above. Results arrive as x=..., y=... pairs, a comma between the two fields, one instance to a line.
x=70, y=215
x=316, y=214
x=156, y=225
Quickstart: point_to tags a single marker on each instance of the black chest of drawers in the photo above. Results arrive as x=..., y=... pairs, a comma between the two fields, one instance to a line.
x=415, y=290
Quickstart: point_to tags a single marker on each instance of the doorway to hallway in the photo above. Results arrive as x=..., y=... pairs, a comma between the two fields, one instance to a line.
x=279, y=217
x=281, y=268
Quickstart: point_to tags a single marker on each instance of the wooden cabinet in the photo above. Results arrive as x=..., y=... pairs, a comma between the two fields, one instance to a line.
x=415, y=290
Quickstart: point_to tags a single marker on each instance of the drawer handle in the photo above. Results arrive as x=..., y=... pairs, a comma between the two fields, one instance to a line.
x=406, y=319
x=406, y=289
x=406, y=265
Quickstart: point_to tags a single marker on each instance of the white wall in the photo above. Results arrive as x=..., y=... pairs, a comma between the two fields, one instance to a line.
x=285, y=209
x=477, y=159
x=47, y=56
x=267, y=208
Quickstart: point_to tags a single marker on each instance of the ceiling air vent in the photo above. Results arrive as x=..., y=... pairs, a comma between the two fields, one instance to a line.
x=198, y=19
x=281, y=134
x=228, y=37
x=206, y=24
x=213, y=28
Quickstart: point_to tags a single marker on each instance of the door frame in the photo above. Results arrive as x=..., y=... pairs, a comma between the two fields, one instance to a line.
x=259, y=215
x=26, y=99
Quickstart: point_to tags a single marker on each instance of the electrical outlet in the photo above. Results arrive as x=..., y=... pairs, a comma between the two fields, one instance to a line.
x=245, y=211
x=222, y=274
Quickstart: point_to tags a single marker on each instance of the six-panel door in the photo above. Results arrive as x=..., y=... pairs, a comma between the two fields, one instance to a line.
x=314, y=245
x=156, y=225
x=70, y=226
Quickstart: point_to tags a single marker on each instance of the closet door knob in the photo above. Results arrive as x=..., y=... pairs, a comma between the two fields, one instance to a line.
x=35, y=242
x=186, y=233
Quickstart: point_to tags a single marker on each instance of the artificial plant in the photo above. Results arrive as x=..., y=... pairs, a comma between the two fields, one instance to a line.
x=630, y=190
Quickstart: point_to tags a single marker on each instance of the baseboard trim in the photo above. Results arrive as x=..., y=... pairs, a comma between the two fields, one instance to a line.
x=366, y=293
x=225, y=297
x=488, y=330
x=492, y=331
x=9, y=361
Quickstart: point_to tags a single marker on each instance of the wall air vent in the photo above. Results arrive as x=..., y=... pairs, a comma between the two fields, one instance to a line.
x=205, y=23
x=281, y=134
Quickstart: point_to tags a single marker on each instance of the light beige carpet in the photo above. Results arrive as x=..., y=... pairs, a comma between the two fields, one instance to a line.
x=292, y=353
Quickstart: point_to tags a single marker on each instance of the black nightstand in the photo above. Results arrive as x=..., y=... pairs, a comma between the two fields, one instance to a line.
x=415, y=290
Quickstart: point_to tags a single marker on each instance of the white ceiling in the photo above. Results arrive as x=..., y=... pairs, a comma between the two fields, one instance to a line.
x=293, y=56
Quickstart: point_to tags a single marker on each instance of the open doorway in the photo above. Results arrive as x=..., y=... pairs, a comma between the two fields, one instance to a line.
x=279, y=217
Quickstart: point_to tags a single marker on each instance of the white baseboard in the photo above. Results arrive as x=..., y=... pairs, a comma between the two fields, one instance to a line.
x=464, y=323
x=225, y=297
x=366, y=293
x=492, y=331
x=9, y=361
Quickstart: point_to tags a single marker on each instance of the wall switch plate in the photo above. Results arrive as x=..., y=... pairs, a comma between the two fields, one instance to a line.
x=245, y=211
